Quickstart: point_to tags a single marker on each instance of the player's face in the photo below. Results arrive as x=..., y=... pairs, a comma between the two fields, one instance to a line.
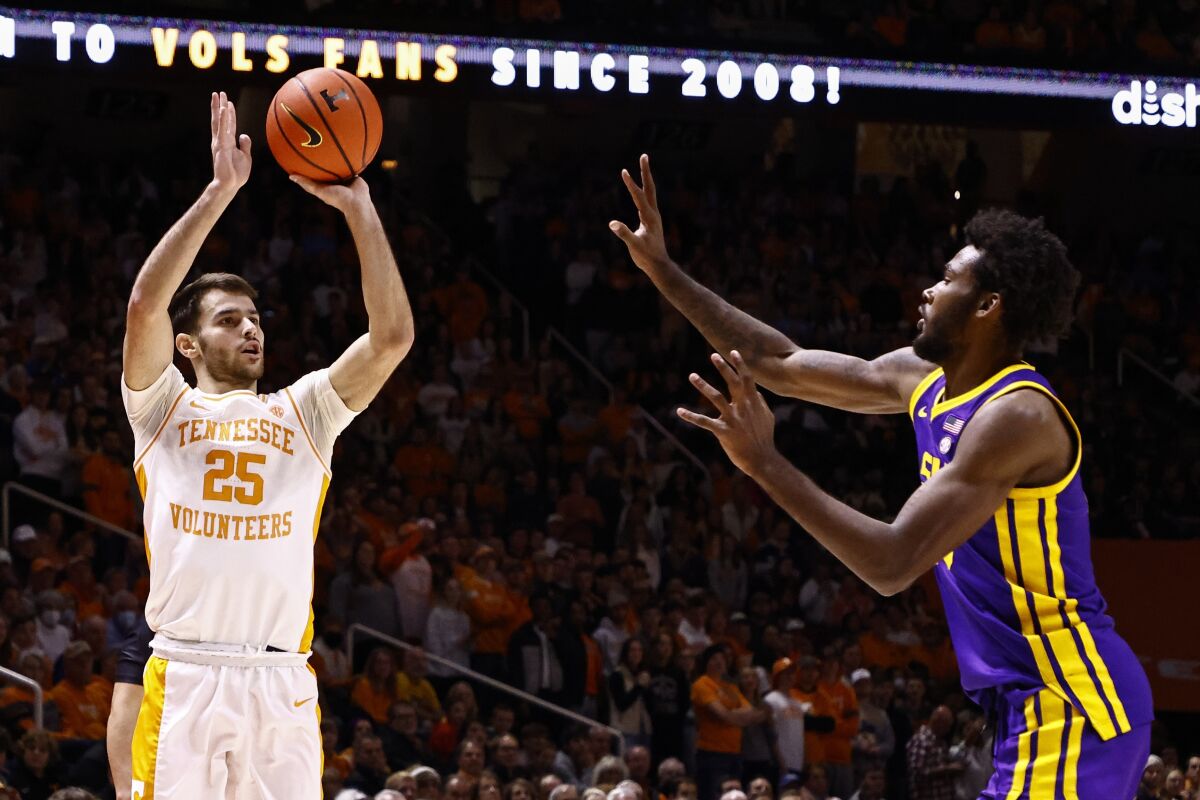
x=946, y=308
x=230, y=339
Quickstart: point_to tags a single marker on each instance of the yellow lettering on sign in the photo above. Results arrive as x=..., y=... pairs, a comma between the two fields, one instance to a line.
x=333, y=51
x=202, y=48
x=369, y=65
x=240, y=62
x=408, y=61
x=447, y=67
x=165, y=41
x=277, y=57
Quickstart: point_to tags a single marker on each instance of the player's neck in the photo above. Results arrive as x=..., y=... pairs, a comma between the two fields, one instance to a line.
x=967, y=370
x=209, y=385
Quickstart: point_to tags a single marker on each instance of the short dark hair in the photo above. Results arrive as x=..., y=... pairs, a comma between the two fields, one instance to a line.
x=185, y=305
x=1028, y=267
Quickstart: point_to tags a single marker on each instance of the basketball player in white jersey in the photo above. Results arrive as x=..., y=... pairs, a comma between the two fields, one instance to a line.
x=233, y=482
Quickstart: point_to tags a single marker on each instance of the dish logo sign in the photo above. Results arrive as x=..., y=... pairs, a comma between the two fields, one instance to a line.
x=1141, y=104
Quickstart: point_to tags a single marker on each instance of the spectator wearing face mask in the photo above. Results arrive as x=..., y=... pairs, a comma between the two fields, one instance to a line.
x=52, y=635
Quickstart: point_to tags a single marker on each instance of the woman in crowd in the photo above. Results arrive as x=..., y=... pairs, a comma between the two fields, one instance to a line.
x=627, y=686
x=375, y=690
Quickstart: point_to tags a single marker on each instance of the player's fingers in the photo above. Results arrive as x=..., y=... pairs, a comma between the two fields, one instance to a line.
x=622, y=231
x=743, y=372
x=648, y=182
x=214, y=114
x=700, y=421
x=244, y=144
x=307, y=184
x=730, y=376
x=710, y=393
x=635, y=191
x=232, y=121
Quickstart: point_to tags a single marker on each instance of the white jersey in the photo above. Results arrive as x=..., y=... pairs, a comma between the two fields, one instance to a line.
x=233, y=486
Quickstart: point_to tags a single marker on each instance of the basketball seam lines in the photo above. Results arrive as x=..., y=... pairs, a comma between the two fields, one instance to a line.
x=362, y=112
x=291, y=144
x=328, y=127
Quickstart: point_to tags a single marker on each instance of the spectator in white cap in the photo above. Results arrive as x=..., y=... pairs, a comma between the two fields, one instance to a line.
x=25, y=545
x=876, y=738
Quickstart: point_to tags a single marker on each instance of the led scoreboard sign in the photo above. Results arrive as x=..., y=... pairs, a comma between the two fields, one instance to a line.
x=561, y=67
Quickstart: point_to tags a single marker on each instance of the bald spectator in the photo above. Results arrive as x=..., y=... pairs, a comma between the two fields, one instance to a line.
x=547, y=784
x=931, y=770
x=637, y=759
x=566, y=791
x=458, y=788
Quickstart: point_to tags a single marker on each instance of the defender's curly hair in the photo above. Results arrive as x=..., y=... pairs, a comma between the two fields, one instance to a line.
x=1028, y=267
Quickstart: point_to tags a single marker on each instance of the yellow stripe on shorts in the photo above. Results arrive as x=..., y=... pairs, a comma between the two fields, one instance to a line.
x=145, y=733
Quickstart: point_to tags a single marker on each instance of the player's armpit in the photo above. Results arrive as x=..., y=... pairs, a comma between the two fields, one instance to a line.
x=1017, y=439
x=360, y=372
x=881, y=386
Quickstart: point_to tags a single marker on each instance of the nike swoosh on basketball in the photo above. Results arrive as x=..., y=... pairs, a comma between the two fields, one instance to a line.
x=314, y=135
x=299, y=703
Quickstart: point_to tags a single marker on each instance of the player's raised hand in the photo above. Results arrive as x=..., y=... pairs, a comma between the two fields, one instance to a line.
x=231, y=153
x=744, y=425
x=647, y=246
x=345, y=197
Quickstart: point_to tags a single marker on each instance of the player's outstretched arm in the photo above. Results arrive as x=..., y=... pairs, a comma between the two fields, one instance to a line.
x=149, y=345
x=833, y=379
x=1011, y=439
x=360, y=372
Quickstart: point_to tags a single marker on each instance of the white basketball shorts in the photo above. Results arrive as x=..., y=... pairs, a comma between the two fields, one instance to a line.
x=220, y=722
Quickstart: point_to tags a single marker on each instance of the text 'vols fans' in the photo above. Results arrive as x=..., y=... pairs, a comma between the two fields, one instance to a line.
x=324, y=124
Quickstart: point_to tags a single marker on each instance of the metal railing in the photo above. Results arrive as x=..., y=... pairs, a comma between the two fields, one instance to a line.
x=500, y=686
x=66, y=508
x=1125, y=354
x=29, y=683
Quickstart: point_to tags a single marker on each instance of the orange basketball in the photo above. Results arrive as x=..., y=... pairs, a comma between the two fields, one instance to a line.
x=324, y=124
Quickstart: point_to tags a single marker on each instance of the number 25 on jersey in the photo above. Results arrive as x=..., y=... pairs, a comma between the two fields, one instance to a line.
x=225, y=464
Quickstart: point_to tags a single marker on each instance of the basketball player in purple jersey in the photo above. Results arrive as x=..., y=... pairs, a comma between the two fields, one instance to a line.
x=1000, y=516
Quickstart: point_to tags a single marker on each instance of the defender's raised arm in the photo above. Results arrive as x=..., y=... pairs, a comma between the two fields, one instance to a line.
x=777, y=363
x=149, y=342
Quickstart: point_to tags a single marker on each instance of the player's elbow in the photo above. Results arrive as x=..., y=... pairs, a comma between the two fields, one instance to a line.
x=393, y=342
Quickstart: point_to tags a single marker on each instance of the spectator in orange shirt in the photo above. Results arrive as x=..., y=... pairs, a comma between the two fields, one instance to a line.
x=424, y=464
x=616, y=418
x=464, y=305
x=839, y=744
x=993, y=33
x=81, y=588
x=329, y=752
x=936, y=653
x=106, y=488
x=578, y=431
x=375, y=690
x=807, y=690
x=721, y=713
x=877, y=650
x=490, y=607
x=581, y=512
x=527, y=409
x=82, y=697
x=16, y=702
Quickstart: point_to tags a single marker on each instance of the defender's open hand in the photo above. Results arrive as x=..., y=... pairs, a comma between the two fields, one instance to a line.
x=744, y=426
x=647, y=246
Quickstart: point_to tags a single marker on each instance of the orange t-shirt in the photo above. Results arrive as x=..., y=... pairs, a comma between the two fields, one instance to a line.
x=844, y=703
x=616, y=421
x=814, y=743
x=941, y=661
x=84, y=711
x=712, y=734
x=376, y=703
x=882, y=653
x=491, y=610
x=107, y=495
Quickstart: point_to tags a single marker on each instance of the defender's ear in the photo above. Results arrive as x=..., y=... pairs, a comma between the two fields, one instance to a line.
x=187, y=345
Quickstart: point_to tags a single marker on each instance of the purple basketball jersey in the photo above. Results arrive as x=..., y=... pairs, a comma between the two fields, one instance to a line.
x=1021, y=599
